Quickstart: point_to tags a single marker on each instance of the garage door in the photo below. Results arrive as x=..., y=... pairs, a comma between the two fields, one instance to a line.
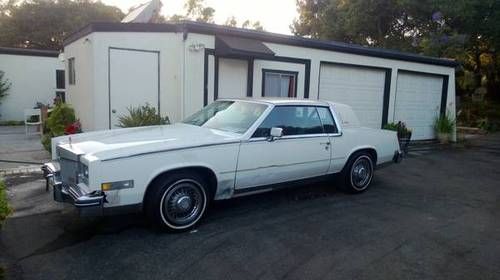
x=418, y=102
x=360, y=88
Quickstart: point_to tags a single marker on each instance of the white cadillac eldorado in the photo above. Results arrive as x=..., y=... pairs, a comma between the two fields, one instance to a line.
x=233, y=147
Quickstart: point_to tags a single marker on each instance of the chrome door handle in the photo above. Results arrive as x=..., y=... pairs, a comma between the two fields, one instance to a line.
x=327, y=145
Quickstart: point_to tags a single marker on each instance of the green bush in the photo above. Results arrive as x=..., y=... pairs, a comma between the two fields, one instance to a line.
x=142, y=116
x=5, y=209
x=61, y=116
x=400, y=128
x=444, y=124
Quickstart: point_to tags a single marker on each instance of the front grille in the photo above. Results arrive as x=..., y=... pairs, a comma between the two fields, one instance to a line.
x=74, y=192
x=69, y=166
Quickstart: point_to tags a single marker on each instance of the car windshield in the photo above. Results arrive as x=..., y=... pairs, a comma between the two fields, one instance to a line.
x=231, y=116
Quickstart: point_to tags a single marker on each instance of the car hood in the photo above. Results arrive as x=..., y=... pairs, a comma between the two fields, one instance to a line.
x=125, y=142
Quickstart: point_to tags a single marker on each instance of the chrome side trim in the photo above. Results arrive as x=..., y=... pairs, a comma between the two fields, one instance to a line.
x=282, y=165
x=170, y=150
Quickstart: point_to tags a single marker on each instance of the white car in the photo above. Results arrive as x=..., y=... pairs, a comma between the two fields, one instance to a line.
x=233, y=147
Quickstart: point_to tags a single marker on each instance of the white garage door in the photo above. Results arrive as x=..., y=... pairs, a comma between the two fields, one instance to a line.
x=418, y=102
x=360, y=88
x=134, y=81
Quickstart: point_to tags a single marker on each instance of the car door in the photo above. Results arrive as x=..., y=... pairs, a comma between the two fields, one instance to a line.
x=303, y=151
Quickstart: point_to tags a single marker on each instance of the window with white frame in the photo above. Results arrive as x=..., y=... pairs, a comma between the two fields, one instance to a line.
x=277, y=83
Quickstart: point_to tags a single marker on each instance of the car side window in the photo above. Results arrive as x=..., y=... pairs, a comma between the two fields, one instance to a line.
x=327, y=120
x=294, y=120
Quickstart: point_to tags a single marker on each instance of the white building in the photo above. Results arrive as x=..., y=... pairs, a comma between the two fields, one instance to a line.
x=35, y=76
x=181, y=67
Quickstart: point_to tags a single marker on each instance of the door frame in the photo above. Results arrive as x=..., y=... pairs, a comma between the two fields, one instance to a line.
x=109, y=76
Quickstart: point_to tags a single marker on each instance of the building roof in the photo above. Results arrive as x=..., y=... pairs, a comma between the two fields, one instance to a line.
x=218, y=30
x=29, y=52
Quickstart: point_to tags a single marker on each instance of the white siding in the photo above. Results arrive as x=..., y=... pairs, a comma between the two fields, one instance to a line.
x=32, y=78
x=81, y=95
x=360, y=88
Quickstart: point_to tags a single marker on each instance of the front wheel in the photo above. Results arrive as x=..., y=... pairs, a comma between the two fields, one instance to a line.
x=358, y=173
x=177, y=203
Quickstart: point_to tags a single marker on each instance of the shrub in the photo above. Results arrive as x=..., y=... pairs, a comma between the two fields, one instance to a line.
x=400, y=128
x=444, y=124
x=142, y=116
x=5, y=209
x=60, y=118
x=4, y=86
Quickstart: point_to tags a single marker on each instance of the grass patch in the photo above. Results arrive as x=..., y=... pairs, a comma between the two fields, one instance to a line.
x=5, y=209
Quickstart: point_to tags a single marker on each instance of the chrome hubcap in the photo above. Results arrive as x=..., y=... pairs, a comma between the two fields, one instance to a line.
x=183, y=203
x=361, y=173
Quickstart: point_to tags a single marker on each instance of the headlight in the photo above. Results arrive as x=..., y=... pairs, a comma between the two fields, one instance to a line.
x=83, y=174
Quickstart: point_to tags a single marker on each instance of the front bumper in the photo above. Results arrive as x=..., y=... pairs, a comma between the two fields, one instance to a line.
x=87, y=203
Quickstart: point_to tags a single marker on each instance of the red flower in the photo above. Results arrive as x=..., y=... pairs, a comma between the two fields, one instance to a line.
x=73, y=128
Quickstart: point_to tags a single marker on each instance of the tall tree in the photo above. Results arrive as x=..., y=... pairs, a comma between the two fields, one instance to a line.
x=468, y=31
x=196, y=9
x=44, y=24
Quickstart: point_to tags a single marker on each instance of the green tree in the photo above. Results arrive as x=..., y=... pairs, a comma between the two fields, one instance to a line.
x=195, y=9
x=45, y=23
x=231, y=21
x=252, y=25
x=468, y=31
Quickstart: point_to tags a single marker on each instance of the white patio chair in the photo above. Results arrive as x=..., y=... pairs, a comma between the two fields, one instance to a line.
x=28, y=114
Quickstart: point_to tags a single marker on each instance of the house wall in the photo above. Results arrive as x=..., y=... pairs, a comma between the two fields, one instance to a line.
x=81, y=95
x=33, y=79
x=188, y=76
x=317, y=56
x=90, y=95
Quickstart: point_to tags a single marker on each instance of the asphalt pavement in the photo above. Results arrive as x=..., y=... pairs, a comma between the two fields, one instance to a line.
x=434, y=216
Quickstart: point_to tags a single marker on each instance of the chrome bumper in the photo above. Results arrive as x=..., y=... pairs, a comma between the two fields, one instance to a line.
x=88, y=204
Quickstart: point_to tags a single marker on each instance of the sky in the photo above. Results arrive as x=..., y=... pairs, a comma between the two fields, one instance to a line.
x=274, y=15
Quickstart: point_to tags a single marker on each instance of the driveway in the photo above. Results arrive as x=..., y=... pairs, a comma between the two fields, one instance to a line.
x=434, y=216
x=18, y=151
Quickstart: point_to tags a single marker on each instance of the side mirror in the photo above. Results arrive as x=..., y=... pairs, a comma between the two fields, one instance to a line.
x=276, y=133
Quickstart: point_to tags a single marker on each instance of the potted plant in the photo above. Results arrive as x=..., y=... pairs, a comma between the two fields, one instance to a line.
x=444, y=126
x=404, y=134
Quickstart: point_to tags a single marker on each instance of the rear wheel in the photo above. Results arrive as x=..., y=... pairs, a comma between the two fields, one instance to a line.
x=358, y=173
x=178, y=202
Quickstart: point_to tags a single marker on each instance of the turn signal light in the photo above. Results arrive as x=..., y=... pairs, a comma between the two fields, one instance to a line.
x=106, y=186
